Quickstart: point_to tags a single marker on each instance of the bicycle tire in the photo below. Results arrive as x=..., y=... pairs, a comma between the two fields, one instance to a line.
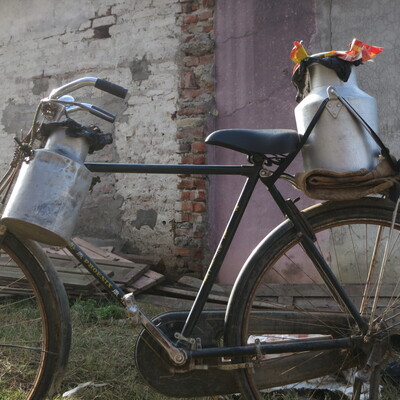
x=280, y=297
x=35, y=327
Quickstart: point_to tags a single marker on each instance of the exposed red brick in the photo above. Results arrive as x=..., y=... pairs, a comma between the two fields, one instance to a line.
x=188, y=159
x=195, y=266
x=208, y=3
x=188, y=80
x=199, y=160
x=191, y=61
x=187, y=38
x=192, y=93
x=199, y=207
x=209, y=86
x=187, y=183
x=191, y=111
x=198, y=195
x=204, y=15
x=186, y=195
x=199, y=184
x=190, y=19
x=209, y=58
x=183, y=232
x=189, y=252
x=189, y=132
x=186, y=206
x=196, y=23
x=198, y=235
x=186, y=8
x=198, y=147
x=186, y=217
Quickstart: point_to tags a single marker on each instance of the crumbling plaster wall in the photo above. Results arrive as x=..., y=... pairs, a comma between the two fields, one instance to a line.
x=45, y=43
x=375, y=23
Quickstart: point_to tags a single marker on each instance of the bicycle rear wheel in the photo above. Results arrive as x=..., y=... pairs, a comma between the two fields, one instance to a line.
x=35, y=328
x=280, y=297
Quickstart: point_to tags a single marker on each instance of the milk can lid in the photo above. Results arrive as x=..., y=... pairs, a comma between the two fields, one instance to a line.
x=340, y=61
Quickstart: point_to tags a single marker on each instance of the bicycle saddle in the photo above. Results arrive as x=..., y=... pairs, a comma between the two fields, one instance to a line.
x=261, y=141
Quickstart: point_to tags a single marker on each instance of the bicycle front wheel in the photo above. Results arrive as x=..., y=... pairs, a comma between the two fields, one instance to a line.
x=35, y=328
x=281, y=297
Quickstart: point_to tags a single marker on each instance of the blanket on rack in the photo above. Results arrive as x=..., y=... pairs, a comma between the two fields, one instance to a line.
x=323, y=184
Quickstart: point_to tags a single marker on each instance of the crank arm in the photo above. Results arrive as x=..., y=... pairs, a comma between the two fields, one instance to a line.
x=137, y=317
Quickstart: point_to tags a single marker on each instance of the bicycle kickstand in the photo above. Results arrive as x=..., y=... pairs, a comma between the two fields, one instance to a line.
x=370, y=374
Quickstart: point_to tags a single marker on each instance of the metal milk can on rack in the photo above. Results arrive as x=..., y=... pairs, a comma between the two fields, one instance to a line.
x=338, y=142
x=50, y=190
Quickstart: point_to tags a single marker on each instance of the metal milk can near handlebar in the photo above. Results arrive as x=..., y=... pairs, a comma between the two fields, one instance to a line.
x=53, y=182
x=50, y=190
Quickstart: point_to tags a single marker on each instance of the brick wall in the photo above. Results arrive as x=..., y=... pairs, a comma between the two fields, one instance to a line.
x=194, y=119
x=163, y=53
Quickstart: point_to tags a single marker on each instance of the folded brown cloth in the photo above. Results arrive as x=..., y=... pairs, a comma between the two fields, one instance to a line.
x=323, y=184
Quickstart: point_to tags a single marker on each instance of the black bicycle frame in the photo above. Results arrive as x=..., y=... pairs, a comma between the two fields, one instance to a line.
x=252, y=173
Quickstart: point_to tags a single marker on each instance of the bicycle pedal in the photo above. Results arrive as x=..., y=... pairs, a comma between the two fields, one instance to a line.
x=131, y=309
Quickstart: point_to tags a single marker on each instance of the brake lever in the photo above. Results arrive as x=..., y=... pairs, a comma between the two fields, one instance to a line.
x=97, y=111
x=71, y=106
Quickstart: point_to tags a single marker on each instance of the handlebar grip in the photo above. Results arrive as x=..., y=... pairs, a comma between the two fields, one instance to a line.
x=111, y=88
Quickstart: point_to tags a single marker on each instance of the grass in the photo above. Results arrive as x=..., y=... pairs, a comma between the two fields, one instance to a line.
x=103, y=353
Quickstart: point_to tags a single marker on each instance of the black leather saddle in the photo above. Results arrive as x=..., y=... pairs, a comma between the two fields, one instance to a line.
x=256, y=141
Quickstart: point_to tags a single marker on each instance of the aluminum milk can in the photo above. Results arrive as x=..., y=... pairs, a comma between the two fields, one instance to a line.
x=49, y=191
x=338, y=142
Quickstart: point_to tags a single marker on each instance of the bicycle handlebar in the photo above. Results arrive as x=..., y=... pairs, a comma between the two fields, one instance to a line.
x=56, y=96
x=98, y=83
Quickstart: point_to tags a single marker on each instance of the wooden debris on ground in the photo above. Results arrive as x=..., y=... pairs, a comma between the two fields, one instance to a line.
x=181, y=294
x=129, y=275
x=133, y=273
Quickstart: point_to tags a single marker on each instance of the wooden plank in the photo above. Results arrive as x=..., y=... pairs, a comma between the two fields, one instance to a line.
x=196, y=283
x=128, y=278
x=142, y=259
x=174, y=303
x=148, y=280
x=94, y=251
x=121, y=271
x=68, y=276
x=100, y=261
x=316, y=290
x=190, y=294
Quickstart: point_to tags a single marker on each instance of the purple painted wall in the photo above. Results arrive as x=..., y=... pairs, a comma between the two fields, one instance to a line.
x=253, y=90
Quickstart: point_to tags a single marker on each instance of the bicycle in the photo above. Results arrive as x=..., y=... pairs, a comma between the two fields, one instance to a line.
x=296, y=312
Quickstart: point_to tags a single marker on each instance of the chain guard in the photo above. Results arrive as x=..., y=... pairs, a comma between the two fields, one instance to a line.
x=159, y=373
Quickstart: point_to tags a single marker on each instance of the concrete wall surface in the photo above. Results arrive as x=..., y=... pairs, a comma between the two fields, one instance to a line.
x=254, y=89
x=45, y=43
x=374, y=23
